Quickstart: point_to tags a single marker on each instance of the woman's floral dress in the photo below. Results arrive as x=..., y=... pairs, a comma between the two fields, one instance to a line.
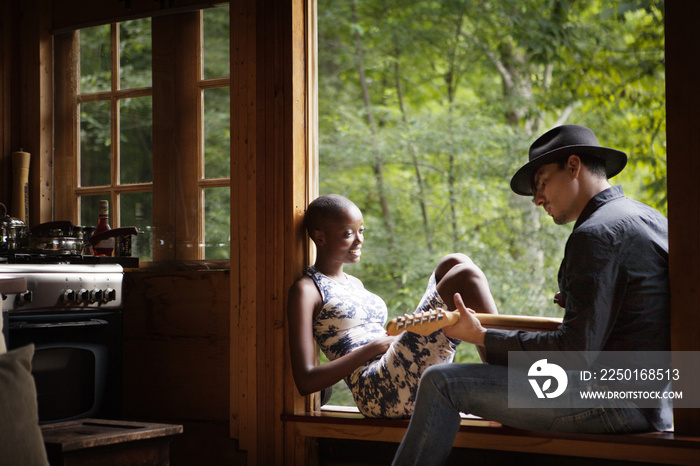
x=351, y=317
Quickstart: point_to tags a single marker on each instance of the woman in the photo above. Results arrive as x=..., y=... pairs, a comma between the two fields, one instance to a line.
x=334, y=309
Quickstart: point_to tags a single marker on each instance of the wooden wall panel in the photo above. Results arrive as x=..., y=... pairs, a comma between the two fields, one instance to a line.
x=176, y=359
x=32, y=83
x=5, y=101
x=243, y=224
x=683, y=162
x=269, y=169
x=66, y=139
x=176, y=345
x=301, y=187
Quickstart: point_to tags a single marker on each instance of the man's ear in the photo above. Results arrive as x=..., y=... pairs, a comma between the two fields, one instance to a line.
x=573, y=165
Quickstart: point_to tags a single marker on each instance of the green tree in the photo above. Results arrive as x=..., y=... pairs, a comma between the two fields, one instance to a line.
x=427, y=108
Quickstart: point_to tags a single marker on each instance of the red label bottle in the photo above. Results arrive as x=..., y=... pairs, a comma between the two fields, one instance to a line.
x=104, y=247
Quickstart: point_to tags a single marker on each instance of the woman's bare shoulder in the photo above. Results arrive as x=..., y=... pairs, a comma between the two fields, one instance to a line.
x=303, y=284
x=305, y=288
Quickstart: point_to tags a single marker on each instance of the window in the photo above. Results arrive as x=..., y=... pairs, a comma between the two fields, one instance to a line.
x=422, y=123
x=215, y=181
x=116, y=138
x=150, y=114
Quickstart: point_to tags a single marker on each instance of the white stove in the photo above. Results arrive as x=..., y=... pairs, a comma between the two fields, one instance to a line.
x=64, y=287
x=72, y=314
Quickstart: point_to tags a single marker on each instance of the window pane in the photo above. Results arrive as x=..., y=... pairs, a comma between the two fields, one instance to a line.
x=217, y=133
x=95, y=144
x=216, y=42
x=95, y=59
x=137, y=211
x=136, y=140
x=135, y=53
x=90, y=210
x=217, y=233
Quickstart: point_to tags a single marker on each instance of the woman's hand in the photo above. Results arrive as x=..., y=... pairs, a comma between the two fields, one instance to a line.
x=559, y=299
x=381, y=345
x=468, y=328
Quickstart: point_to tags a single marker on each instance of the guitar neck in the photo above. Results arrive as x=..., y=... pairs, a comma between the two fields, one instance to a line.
x=422, y=323
x=425, y=323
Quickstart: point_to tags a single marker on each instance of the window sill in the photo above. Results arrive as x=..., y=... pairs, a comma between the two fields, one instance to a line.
x=182, y=266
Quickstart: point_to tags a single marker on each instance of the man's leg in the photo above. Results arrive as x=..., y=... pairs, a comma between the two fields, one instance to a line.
x=482, y=389
x=445, y=391
x=433, y=426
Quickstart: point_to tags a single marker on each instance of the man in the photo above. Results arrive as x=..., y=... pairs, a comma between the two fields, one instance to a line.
x=613, y=283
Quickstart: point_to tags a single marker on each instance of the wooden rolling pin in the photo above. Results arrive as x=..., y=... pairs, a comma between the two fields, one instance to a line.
x=20, y=185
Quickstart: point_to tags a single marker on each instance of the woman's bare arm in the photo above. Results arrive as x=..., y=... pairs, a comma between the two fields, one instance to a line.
x=303, y=302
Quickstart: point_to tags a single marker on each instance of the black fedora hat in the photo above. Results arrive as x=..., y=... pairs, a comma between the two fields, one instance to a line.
x=564, y=141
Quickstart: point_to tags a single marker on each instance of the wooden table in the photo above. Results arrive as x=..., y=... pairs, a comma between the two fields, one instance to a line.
x=103, y=442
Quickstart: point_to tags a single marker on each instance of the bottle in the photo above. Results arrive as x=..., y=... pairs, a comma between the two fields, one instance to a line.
x=106, y=246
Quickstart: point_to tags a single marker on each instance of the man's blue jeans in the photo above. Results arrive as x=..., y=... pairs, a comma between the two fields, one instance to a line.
x=445, y=390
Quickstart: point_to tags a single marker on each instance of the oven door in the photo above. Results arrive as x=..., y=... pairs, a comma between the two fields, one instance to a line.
x=76, y=364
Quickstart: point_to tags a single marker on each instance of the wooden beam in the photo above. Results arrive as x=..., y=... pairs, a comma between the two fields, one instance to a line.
x=683, y=169
x=6, y=33
x=270, y=173
x=35, y=133
x=244, y=108
x=67, y=16
x=302, y=186
x=66, y=139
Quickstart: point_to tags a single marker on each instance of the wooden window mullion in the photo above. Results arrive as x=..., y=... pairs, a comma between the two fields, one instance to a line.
x=67, y=124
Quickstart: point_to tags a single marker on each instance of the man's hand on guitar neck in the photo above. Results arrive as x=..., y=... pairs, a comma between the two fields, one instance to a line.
x=468, y=328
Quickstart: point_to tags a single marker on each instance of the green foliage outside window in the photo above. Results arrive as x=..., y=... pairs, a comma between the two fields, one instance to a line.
x=426, y=109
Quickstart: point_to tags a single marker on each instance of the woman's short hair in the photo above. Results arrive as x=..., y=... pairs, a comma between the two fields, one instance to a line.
x=325, y=208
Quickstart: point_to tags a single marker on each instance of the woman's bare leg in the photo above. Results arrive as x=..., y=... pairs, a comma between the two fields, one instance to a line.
x=456, y=273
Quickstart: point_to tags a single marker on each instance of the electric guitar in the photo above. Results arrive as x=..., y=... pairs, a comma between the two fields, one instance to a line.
x=427, y=322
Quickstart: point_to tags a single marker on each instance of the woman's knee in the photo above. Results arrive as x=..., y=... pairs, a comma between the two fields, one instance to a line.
x=450, y=261
x=465, y=274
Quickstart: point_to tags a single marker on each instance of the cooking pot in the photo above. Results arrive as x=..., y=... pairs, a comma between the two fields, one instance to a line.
x=13, y=232
x=57, y=237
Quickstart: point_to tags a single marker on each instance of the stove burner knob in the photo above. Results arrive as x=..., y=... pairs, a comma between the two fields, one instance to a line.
x=109, y=294
x=95, y=296
x=68, y=296
x=82, y=296
x=25, y=298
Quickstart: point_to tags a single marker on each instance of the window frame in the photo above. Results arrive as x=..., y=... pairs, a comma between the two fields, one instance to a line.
x=178, y=129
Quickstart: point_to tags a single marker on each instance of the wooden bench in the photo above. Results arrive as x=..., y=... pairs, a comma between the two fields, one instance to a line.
x=655, y=447
x=658, y=447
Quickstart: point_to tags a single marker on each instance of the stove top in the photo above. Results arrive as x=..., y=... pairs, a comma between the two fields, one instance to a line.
x=39, y=258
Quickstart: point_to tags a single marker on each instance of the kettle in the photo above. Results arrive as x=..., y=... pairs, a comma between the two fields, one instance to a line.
x=13, y=232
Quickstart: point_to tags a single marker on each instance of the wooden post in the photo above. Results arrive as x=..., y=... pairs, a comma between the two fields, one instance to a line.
x=683, y=161
x=270, y=173
x=35, y=133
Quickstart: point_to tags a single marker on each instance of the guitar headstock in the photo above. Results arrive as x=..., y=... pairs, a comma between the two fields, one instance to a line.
x=422, y=323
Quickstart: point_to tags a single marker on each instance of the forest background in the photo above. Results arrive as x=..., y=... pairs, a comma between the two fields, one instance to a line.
x=428, y=107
